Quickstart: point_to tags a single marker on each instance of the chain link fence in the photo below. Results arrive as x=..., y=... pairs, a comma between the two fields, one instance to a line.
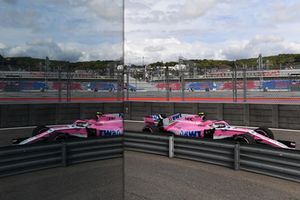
x=62, y=83
x=187, y=82
x=181, y=81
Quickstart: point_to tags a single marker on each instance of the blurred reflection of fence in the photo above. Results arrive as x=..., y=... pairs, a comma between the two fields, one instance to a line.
x=51, y=75
x=218, y=84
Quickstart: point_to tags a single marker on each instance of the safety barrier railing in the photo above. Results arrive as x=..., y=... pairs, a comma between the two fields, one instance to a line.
x=99, y=149
x=147, y=143
x=281, y=163
x=213, y=152
x=27, y=158
x=20, y=159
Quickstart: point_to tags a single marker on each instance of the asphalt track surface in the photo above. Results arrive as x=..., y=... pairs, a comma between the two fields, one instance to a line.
x=146, y=177
x=152, y=177
x=86, y=181
x=212, y=96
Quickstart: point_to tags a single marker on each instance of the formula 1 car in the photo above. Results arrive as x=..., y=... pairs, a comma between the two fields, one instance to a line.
x=102, y=125
x=190, y=125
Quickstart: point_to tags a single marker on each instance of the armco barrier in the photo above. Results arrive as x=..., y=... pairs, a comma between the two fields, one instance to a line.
x=214, y=152
x=155, y=144
x=27, y=158
x=282, y=163
x=102, y=148
x=20, y=159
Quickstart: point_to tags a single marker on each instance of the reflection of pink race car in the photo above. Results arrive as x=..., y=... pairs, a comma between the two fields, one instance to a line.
x=102, y=125
x=197, y=126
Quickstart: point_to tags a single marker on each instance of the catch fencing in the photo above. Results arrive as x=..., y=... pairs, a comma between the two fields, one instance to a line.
x=186, y=82
x=281, y=163
x=26, y=158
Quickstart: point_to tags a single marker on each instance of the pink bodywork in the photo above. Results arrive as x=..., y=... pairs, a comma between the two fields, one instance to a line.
x=197, y=126
x=105, y=125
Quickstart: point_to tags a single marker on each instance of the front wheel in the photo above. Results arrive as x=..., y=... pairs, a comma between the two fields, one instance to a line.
x=245, y=139
x=265, y=132
x=39, y=130
x=59, y=137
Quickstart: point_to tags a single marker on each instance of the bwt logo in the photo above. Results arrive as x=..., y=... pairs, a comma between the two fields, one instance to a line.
x=190, y=133
x=174, y=117
x=110, y=132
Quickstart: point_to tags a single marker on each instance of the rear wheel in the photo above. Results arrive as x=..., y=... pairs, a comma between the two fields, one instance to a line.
x=151, y=129
x=39, y=129
x=245, y=139
x=265, y=132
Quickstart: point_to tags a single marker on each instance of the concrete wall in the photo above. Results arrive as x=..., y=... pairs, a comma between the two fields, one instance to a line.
x=270, y=115
x=284, y=116
x=17, y=115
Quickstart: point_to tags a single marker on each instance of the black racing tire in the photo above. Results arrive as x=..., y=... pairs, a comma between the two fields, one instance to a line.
x=169, y=133
x=59, y=137
x=151, y=129
x=265, y=132
x=245, y=139
x=39, y=129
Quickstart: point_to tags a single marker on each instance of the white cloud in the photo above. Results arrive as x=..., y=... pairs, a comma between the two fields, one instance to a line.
x=78, y=29
x=196, y=8
x=285, y=12
x=105, y=51
x=63, y=51
x=111, y=10
x=166, y=49
x=266, y=45
x=170, y=49
x=211, y=29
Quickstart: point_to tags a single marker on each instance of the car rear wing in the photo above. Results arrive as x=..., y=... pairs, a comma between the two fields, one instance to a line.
x=117, y=115
x=107, y=117
x=152, y=119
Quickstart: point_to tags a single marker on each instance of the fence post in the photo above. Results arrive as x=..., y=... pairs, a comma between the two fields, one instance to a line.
x=64, y=160
x=237, y=156
x=171, y=146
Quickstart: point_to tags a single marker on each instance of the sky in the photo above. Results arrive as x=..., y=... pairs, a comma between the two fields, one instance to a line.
x=72, y=30
x=83, y=30
x=210, y=29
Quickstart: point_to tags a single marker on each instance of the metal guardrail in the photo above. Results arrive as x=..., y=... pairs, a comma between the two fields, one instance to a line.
x=147, y=143
x=26, y=158
x=281, y=163
x=214, y=152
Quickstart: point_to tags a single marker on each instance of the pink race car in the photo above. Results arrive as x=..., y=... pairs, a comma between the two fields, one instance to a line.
x=198, y=126
x=102, y=125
